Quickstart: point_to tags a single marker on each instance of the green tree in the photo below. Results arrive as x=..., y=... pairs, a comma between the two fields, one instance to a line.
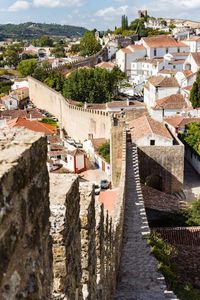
x=195, y=92
x=89, y=45
x=12, y=55
x=58, y=51
x=45, y=41
x=27, y=67
x=92, y=85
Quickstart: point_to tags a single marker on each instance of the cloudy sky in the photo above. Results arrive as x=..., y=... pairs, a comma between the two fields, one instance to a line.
x=101, y=14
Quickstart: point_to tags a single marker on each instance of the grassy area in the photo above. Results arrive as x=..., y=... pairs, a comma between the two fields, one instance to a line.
x=9, y=72
x=104, y=151
x=50, y=122
x=164, y=253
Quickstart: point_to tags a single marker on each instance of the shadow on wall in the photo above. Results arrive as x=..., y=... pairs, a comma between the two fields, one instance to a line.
x=156, y=175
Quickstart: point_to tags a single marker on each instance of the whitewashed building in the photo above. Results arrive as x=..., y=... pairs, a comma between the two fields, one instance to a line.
x=147, y=132
x=159, y=87
x=158, y=46
x=192, y=62
x=125, y=56
x=194, y=43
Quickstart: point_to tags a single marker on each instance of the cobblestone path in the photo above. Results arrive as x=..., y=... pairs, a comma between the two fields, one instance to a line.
x=138, y=277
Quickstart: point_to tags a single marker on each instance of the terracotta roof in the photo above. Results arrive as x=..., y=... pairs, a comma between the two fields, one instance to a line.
x=196, y=57
x=145, y=125
x=54, y=139
x=175, y=101
x=180, y=53
x=98, y=142
x=33, y=125
x=105, y=65
x=57, y=153
x=160, y=81
x=180, y=121
x=187, y=73
x=188, y=236
x=157, y=200
x=194, y=39
x=172, y=72
x=76, y=152
x=126, y=50
x=188, y=88
x=136, y=47
x=150, y=61
x=12, y=114
x=108, y=199
x=162, y=41
x=177, y=62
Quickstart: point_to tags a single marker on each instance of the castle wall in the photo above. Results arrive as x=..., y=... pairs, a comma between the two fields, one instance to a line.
x=165, y=162
x=25, y=244
x=77, y=121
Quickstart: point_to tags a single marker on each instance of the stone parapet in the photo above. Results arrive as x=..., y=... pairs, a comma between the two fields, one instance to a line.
x=25, y=244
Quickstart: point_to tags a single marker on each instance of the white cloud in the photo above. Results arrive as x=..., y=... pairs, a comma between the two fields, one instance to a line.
x=19, y=5
x=56, y=3
x=110, y=13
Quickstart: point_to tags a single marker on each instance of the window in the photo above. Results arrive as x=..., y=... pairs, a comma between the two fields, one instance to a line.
x=10, y=102
x=156, y=89
x=174, y=67
x=178, y=50
x=152, y=142
x=155, y=52
x=167, y=50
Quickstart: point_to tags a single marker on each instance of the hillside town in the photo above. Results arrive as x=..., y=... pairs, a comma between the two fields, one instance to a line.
x=102, y=132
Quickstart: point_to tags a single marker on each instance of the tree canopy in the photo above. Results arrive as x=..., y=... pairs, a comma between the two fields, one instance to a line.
x=195, y=92
x=92, y=85
x=12, y=55
x=192, y=136
x=89, y=45
x=27, y=67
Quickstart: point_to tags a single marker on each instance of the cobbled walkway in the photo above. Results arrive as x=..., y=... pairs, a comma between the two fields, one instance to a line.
x=138, y=276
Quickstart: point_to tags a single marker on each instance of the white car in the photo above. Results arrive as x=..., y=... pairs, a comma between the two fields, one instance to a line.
x=97, y=189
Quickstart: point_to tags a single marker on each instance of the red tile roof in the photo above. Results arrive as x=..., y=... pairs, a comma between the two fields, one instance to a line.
x=188, y=88
x=162, y=41
x=175, y=101
x=180, y=121
x=160, y=81
x=108, y=199
x=196, y=57
x=33, y=125
x=145, y=125
x=31, y=112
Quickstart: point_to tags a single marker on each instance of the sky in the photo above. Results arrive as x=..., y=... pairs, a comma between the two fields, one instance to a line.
x=100, y=14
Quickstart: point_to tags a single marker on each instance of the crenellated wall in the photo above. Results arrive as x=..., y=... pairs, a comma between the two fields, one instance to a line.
x=25, y=243
x=77, y=121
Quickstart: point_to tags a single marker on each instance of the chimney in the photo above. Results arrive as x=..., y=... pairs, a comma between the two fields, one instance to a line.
x=85, y=105
x=127, y=102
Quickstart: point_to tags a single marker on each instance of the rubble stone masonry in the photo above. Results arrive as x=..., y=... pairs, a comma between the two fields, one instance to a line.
x=25, y=244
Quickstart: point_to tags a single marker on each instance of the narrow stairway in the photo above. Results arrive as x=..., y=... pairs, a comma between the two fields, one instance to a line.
x=138, y=276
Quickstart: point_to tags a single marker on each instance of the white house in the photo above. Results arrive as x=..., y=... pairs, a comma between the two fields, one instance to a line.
x=185, y=78
x=156, y=24
x=10, y=101
x=158, y=46
x=147, y=132
x=159, y=87
x=194, y=43
x=192, y=62
x=20, y=84
x=143, y=68
x=168, y=106
x=76, y=161
x=91, y=146
x=125, y=56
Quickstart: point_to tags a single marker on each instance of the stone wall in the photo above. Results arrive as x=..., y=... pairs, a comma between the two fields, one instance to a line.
x=77, y=121
x=166, y=163
x=86, y=238
x=25, y=244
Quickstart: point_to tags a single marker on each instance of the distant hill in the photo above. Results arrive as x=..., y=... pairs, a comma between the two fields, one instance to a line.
x=34, y=30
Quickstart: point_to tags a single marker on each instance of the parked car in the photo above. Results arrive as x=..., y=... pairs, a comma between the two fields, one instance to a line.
x=104, y=184
x=97, y=189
